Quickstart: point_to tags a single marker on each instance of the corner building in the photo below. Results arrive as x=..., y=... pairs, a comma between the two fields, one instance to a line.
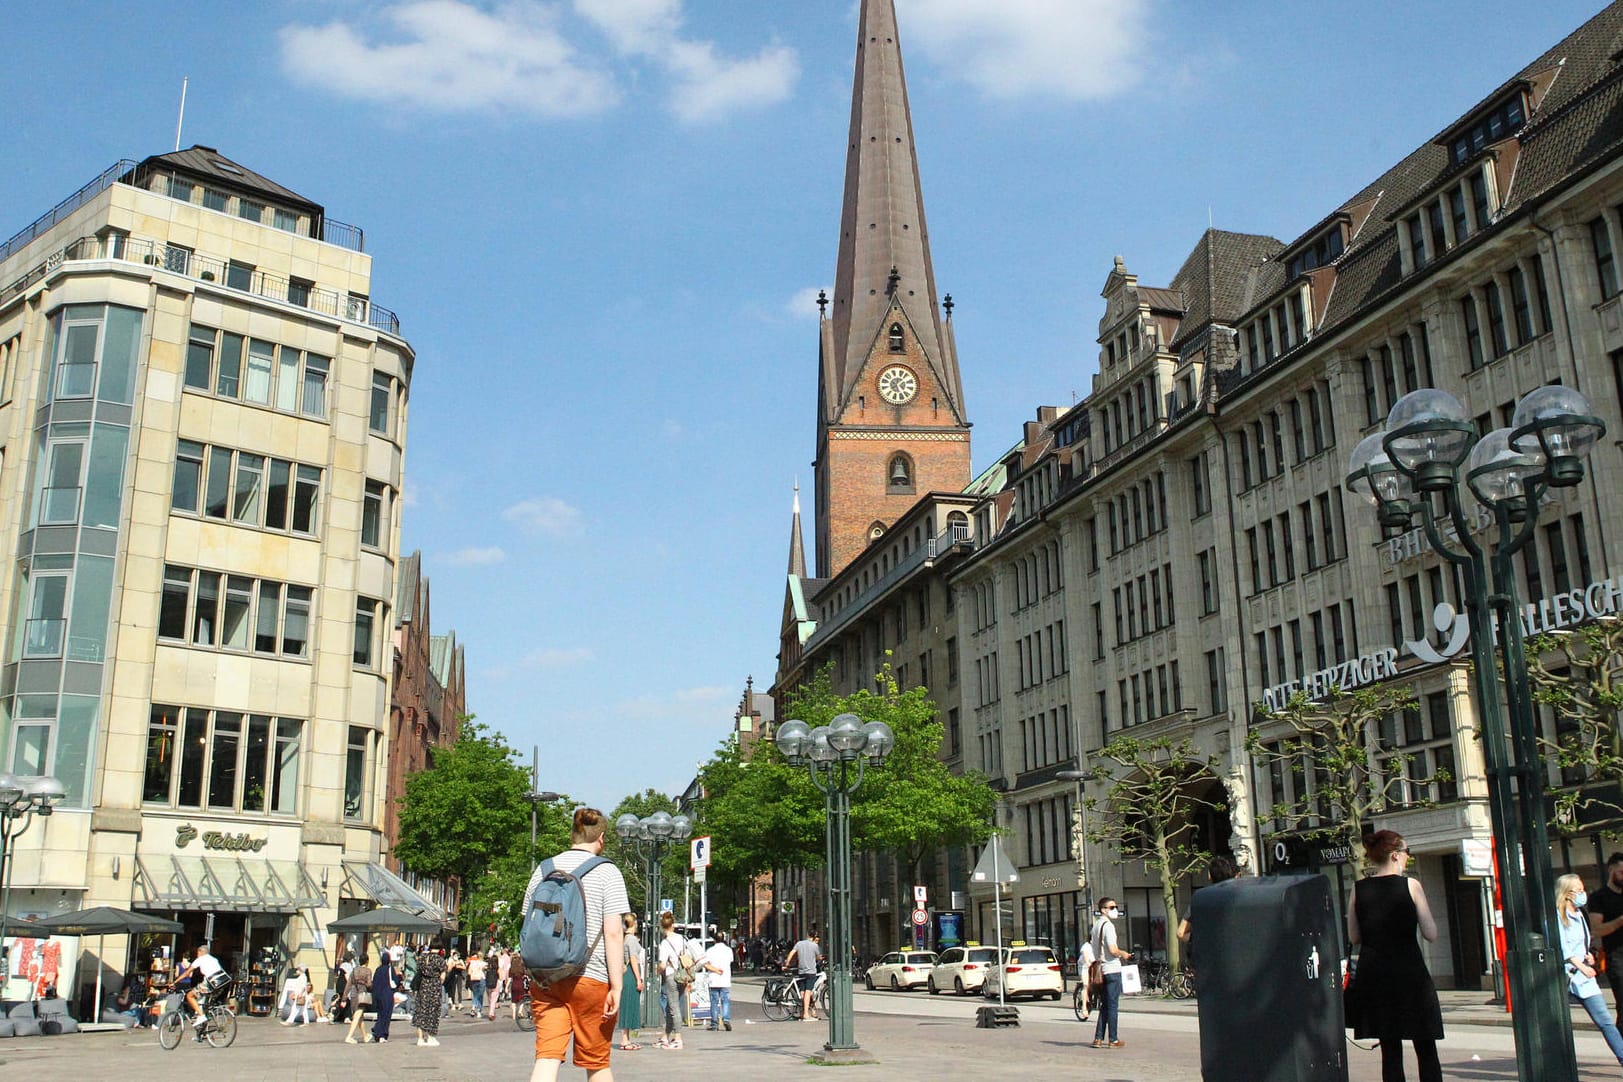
x=202, y=422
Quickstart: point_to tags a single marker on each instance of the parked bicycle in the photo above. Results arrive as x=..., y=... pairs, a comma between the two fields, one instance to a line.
x=1159, y=979
x=781, y=999
x=219, y=1027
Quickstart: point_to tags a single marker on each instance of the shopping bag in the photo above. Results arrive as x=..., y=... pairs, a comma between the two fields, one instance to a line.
x=1131, y=985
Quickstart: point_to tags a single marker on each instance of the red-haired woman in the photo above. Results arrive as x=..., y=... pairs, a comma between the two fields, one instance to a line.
x=1398, y=1001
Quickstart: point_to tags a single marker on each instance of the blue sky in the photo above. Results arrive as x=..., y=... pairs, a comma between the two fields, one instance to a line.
x=602, y=223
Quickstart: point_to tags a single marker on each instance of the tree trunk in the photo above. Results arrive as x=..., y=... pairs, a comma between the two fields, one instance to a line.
x=1169, y=902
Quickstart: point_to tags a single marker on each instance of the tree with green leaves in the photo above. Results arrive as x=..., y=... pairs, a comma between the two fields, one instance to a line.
x=1578, y=675
x=1157, y=791
x=1341, y=775
x=465, y=817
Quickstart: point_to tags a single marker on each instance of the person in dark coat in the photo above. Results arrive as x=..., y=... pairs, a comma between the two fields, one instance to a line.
x=1396, y=999
x=383, y=986
x=430, y=993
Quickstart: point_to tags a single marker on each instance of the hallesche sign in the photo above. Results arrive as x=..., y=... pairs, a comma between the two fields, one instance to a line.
x=1558, y=612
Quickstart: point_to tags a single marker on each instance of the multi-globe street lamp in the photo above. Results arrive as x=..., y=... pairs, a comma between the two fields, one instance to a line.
x=1413, y=467
x=650, y=834
x=829, y=753
x=21, y=798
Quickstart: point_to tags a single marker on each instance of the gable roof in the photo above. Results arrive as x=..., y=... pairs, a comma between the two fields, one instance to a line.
x=209, y=165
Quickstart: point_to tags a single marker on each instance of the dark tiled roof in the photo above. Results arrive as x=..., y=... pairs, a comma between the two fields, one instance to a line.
x=1212, y=279
x=1162, y=300
x=210, y=165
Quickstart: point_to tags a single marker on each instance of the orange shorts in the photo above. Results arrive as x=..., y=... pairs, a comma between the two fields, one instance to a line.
x=573, y=1008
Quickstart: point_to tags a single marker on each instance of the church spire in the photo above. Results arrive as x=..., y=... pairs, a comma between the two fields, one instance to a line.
x=797, y=548
x=884, y=257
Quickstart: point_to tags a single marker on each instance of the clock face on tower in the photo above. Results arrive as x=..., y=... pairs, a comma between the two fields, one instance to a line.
x=897, y=385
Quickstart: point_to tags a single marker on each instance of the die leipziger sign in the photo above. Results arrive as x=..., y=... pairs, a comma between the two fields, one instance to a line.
x=1566, y=609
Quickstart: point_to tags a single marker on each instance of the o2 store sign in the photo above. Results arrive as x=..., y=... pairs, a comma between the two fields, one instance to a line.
x=1563, y=610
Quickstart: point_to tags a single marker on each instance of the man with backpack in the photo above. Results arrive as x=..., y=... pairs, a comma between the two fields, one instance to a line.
x=572, y=926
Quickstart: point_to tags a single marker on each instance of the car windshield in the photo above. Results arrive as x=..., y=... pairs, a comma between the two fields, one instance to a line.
x=921, y=959
x=1031, y=957
x=985, y=954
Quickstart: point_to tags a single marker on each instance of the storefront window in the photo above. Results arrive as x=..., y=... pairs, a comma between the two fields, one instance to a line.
x=193, y=750
x=255, y=769
x=223, y=768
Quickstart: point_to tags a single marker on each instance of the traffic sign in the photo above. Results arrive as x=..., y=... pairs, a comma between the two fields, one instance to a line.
x=667, y=906
x=699, y=852
x=920, y=917
x=920, y=895
x=787, y=907
x=698, y=876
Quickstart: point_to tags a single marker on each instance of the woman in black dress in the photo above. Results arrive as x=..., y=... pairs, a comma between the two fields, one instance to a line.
x=1397, y=1001
x=430, y=993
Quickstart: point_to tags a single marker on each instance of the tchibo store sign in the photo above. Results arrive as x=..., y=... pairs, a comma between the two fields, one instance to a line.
x=1453, y=634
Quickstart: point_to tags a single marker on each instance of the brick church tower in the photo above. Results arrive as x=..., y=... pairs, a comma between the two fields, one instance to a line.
x=891, y=424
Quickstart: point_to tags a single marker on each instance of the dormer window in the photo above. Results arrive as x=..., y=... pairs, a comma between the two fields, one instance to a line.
x=1501, y=123
x=897, y=342
x=1324, y=250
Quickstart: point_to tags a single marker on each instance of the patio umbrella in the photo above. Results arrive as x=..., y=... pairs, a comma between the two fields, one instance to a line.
x=17, y=926
x=102, y=921
x=386, y=919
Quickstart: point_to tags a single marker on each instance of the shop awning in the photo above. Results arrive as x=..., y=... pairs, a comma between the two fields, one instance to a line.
x=236, y=884
x=366, y=880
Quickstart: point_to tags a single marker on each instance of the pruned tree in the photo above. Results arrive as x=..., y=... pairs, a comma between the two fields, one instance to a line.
x=1578, y=675
x=1158, y=790
x=1341, y=774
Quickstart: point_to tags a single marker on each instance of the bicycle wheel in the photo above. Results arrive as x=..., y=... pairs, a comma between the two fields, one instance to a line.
x=524, y=1020
x=1182, y=986
x=773, y=1003
x=170, y=1028
x=222, y=1028
x=1077, y=1006
x=820, y=1001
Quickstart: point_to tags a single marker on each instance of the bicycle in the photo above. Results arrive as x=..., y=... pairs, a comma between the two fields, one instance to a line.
x=219, y=1027
x=1159, y=979
x=781, y=999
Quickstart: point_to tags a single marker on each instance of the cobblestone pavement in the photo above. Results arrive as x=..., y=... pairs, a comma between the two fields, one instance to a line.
x=912, y=1035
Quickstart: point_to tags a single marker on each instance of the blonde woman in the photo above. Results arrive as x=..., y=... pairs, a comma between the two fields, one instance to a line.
x=1570, y=897
x=631, y=1002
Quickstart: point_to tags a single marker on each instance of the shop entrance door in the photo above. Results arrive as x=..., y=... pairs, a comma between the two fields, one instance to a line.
x=1466, y=931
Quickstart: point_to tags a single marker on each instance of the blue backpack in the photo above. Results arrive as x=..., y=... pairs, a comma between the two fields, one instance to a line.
x=555, y=941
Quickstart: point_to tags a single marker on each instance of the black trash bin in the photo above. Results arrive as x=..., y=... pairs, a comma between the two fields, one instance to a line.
x=1267, y=958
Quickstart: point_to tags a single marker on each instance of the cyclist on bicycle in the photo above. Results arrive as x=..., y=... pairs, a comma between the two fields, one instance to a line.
x=205, y=972
x=805, y=955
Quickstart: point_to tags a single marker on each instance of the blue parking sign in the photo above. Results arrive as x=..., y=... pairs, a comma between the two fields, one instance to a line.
x=667, y=906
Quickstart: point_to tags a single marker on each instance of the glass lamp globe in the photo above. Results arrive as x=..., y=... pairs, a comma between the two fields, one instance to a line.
x=1371, y=474
x=1428, y=436
x=1497, y=472
x=681, y=826
x=626, y=826
x=1368, y=452
x=845, y=734
x=880, y=741
x=660, y=825
x=11, y=790
x=820, y=750
x=791, y=739
x=1562, y=423
x=643, y=833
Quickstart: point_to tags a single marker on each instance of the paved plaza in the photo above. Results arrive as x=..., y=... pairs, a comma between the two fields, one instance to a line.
x=913, y=1035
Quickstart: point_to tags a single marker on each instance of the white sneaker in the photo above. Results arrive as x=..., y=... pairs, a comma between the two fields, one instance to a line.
x=422, y=1042
x=432, y=1042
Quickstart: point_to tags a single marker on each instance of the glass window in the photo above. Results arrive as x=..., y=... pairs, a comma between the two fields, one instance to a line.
x=180, y=189
x=355, y=763
x=1521, y=306
x=270, y=608
x=223, y=760
x=77, y=375
x=1605, y=259
x=285, y=767
x=47, y=606
x=1456, y=211
x=261, y=357
x=306, y=493
x=1496, y=319
x=161, y=749
x=1479, y=199
x=247, y=208
x=188, y=477
x=381, y=391
x=219, y=483
x=239, y=600
x=255, y=762
x=177, y=258
x=277, y=492
x=287, y=380
x=284, y=219
x=298, y=291
x=1473, y=332
x=59, y=500
x=296, y=622
x=239, y=275
x=230, y=375
x=315, y=386
x=372, y=514
x=215, y=200
x=191, y=753
x=365, y=620
x=200, y=358
x=206, y=617
x=250, y=477
x=177, y=595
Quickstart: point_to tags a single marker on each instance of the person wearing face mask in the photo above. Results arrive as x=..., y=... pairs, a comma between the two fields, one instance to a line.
x=1605, y=912
x=1580, y=960
x=1111, y=956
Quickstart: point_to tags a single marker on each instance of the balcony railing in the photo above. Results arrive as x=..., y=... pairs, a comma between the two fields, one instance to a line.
x=205, y=268
x=939, y=545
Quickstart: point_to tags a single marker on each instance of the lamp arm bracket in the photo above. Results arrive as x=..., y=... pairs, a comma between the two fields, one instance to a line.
x=1513, y=536
x=1468, y=549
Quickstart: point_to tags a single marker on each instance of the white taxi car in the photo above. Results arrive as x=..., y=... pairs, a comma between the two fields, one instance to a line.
x=901, y=970
x=1025, y=971
x=961, y=969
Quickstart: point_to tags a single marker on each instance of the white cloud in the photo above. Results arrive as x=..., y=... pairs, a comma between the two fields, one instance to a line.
x=546, y=515
x=1076, y=50
x=452, y=56
x=558, y=658
x=476, y=556
x=803, y=305
x=707, y=85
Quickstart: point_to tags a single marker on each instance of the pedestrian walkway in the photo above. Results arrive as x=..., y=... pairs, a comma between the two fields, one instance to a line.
x=914, y=1036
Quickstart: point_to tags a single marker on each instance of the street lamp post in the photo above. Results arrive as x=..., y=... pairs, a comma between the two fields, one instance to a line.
x=21, y=798
x=1413, y=467
x=650, y=835
x=1080, y=826
x=829, y=752
x=535, y=798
